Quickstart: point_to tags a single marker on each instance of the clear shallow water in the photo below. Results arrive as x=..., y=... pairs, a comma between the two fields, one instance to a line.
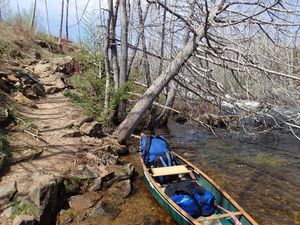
x=262, y=175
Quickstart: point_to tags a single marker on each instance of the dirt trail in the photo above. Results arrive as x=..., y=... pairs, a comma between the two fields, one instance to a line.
x=53, y=117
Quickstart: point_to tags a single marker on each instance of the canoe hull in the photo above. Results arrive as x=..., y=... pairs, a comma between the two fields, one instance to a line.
x=181, y=217
x=167, y=207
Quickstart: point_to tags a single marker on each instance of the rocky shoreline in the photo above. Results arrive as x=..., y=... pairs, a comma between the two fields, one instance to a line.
x=69, y=170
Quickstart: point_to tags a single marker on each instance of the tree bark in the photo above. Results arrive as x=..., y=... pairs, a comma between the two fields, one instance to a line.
x=144, y=47
x=67, y=19
x=78, y=23
x=106, y=52
x=124, y=43
x=33, y=15
x=47, y=16
x=124, y=55
x=113, y=45
x=61, y=20
x=124, y=130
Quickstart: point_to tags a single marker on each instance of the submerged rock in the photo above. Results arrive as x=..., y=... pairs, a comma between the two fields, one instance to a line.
x=121, y=189
x=105, y=208
x=85, y=201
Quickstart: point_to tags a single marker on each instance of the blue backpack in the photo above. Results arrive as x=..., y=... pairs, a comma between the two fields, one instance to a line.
x=192, y=198
x=165, y=160
x=153, y=146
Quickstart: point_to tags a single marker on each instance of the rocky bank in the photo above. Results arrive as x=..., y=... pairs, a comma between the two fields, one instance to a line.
x=62, y=168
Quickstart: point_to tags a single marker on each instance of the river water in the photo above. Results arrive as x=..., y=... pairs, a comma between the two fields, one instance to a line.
x=262, y=174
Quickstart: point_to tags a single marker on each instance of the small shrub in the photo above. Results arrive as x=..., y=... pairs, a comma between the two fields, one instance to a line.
x=23, y=208
x=5, y=49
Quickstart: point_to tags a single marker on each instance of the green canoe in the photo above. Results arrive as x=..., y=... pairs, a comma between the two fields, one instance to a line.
x=227, y=213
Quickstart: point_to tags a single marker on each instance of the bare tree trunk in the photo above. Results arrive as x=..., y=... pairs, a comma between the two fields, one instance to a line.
x=107, y=63
x=153, y=118
x=113, y=45
x=124, y=54
x=67, y=20
x=144, y=47
x=33, y=15
x=78, y=23
x=61, y=20
x=124, y=130
x=124, y=43
x=19, y=13
x=47, y=15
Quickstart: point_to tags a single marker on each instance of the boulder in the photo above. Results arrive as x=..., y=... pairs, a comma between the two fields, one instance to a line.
x=65, y=217
x=38, y=89
x=20, y=98
x=7, y=192
x=96, y=186
x=25, y=220
x=121, y=172
x=125, y=171
x=46, y=194
x=12, y=78
x=52, y=90
x=109, y=159
x=85, y=201
x=3, y=85
x=121, y=189
x=67, y=65
x=34, y=91
x=105, y=208
x=59, y=84
x=8, y=212
x=86, y=172
x=93, y=129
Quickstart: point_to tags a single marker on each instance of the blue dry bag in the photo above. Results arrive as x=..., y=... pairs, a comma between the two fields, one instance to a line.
x=153, y=146
x=192, y=198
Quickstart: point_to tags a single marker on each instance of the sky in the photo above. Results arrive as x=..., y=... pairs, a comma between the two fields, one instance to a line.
x=54, y=9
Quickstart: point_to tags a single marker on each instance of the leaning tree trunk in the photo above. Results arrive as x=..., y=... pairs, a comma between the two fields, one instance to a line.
x=162, y=119
x=124, y=130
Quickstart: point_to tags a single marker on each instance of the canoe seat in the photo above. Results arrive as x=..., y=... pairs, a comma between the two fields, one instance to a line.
x=214, y=217
x=169, y=170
